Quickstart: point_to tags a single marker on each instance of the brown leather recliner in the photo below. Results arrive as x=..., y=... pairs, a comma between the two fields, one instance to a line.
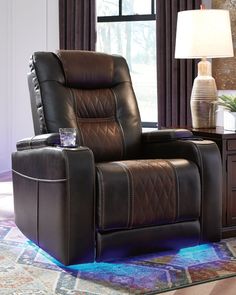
x=121, y=192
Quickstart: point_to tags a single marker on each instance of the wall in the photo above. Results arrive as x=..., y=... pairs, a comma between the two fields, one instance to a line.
x=224, y=69
x=25, y=26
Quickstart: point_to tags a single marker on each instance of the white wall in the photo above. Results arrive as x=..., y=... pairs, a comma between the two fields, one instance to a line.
x=25, y=26
x=4, y=90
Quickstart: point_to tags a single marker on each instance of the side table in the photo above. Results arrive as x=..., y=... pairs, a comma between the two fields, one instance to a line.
x=226, y=141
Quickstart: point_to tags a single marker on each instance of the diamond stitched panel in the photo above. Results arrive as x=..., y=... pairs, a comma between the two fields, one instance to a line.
x=99, y=103
x=98, y=126
x=103, y=138
x=153, y=192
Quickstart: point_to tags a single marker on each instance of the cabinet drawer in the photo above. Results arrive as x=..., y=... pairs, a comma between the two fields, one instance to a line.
x=231, y=144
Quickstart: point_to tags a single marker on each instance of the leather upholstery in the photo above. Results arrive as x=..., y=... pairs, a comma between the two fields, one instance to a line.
x=126, y=243
x=99, y=101
x=207, y=157
x=146, y=193
x=122, y=192
x=50, y=204
x=42, y=140
x=165, y=135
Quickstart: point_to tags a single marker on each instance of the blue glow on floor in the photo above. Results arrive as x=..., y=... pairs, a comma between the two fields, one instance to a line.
x=184, y=258
x=194, y=249
x=161, y=271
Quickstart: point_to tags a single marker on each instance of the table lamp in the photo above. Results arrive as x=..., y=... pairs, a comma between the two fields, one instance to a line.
x=203, y=33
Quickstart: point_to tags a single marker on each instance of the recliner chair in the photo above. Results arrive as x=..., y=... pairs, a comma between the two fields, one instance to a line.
x=121, y=192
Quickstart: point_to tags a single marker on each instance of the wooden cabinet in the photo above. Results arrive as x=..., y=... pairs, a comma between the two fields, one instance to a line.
x=231, y=190
x=226, y=141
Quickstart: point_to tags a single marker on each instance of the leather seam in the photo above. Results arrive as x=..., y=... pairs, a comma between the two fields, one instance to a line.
x=39, y=179
x=37, y=88
x=50, y=80
x=199, y=156
x=97, y=119
x=102, y=192
x=77, y=121
x=68, y=197
x=130, y=194
x=121, y=128
x=177, y=191
x=201, y=171
x=37, y=214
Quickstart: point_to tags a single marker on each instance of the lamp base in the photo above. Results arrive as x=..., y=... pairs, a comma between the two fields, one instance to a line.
x=204, y=98
x=203, y=114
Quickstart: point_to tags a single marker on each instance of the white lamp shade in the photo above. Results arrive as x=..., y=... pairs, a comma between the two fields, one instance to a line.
x=203, y=33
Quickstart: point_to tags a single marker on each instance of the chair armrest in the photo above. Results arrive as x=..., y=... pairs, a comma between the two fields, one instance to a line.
x=206, y=155
x=166, y=135
x=38, y=141
x=54, y=200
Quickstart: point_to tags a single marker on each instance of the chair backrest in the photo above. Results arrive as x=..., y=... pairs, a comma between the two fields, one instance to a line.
x=89, y=91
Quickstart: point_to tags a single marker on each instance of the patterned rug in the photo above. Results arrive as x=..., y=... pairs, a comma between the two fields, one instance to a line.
x=26, y=269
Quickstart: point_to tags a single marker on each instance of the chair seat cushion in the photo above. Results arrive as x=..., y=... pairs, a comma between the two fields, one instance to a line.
x=138, y=193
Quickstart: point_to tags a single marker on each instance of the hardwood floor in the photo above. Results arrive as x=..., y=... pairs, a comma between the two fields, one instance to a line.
x=225, y=287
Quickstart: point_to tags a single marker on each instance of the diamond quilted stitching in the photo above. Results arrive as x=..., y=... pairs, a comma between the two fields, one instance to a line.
x=97, y=123
x=94, y=103
x=103, y=138
x=153, y=192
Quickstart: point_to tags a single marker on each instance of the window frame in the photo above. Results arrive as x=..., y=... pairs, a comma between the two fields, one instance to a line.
x=126, y=18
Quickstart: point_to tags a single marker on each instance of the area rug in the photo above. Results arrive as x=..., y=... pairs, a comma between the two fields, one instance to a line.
x=26, y=269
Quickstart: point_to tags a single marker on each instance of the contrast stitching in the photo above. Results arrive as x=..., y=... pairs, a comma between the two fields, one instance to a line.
x=177, y=192
x=121, y=129
x=80, y=134
x=37, y=214
x=68, y=227
x=102, y=192
x=39, y=179
x=130, y=193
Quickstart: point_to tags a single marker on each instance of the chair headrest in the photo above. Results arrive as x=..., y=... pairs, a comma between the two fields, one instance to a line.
x=87, y=69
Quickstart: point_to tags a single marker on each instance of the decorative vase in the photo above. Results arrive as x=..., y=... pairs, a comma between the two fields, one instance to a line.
x=229, y=120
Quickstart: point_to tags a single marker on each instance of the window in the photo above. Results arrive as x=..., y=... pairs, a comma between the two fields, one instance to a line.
x=128, y=28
